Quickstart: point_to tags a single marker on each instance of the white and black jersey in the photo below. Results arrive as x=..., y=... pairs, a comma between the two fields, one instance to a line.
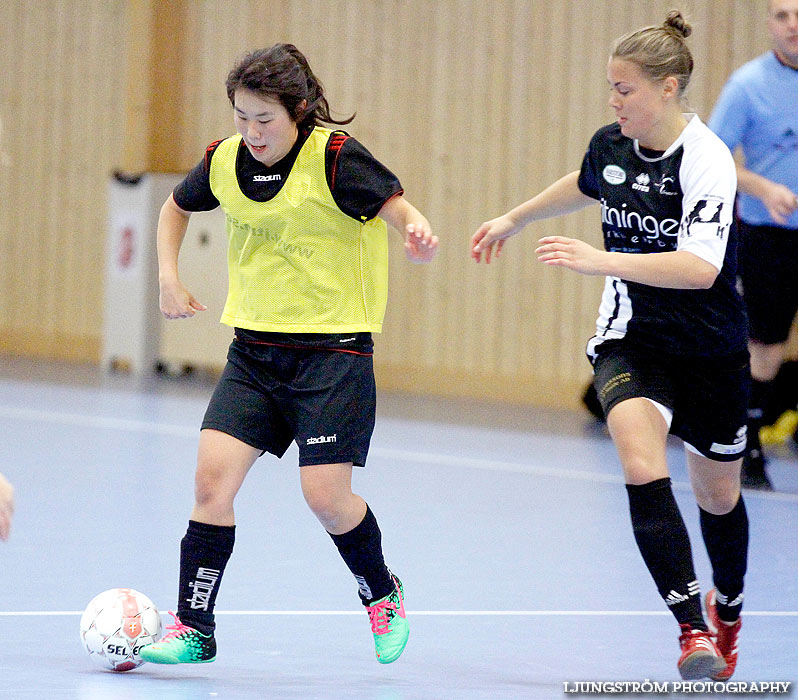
x=654, y=202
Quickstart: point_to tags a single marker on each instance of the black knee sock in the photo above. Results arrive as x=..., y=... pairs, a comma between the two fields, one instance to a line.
x=204, y=552
x=757, y=410
x=361, y=549
x=726, y=539
x=662, y=538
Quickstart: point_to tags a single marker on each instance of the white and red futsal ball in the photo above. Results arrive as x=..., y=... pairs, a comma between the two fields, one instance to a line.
x=116, y=624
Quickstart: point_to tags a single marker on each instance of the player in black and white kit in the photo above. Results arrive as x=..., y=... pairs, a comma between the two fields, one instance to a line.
x=669, y=353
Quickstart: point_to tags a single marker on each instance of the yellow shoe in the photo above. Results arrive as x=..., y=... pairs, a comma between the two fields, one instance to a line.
x=781, y=430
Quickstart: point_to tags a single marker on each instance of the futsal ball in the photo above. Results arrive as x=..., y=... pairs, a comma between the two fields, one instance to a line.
x=116, y=624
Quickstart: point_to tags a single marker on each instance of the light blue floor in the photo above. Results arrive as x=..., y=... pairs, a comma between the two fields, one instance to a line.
x=508, y=526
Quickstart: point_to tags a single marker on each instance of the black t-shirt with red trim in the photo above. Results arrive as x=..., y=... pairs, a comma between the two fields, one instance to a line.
x=359, y=183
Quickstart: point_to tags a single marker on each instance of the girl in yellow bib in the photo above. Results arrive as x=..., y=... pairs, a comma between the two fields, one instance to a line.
x=306, y=210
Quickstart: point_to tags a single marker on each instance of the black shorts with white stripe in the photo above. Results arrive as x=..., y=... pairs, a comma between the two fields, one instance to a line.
x=707, y=396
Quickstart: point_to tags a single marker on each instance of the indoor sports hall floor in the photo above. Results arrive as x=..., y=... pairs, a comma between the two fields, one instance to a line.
x=507, y=525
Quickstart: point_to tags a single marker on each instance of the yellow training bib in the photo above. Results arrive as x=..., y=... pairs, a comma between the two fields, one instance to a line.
x=297, y=263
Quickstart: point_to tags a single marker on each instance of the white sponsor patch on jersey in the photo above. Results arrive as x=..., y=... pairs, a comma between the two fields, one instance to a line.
x=614, y=174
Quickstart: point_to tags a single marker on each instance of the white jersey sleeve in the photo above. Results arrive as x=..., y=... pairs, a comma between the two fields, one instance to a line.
x=709, y=183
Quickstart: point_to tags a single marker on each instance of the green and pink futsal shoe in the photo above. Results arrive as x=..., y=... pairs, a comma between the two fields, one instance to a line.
x=389, y=624
x=181, y=645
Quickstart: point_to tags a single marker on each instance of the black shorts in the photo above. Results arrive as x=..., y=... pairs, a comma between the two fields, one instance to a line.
x=270, y=395
x=708, y=396
x=768, y=262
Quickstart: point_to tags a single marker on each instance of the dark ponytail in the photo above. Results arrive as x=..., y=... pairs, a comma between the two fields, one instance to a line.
x=282, y=72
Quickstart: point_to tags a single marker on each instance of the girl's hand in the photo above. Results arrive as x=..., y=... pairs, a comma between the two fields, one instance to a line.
x=6, y=507
x=420, y=245
x=177, y=302
x=490, y=237
x=571, y=253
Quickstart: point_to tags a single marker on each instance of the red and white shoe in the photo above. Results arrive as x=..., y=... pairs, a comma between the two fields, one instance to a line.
x=700, y=657
x=726, y=637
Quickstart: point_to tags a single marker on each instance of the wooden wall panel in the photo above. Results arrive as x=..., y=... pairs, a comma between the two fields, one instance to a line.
x=475, y=105
x=62, y=63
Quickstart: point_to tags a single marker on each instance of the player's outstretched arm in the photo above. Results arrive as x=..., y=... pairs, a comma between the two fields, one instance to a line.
x=563, y=197
x=420, y=245
x=175, y=300
x=6, y=507
x=678, y=269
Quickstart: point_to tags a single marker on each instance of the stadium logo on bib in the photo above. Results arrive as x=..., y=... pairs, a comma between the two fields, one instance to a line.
x=614, y=174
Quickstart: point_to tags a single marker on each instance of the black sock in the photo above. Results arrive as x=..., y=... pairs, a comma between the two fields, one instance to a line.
x=361, y=549
x=726, y=539
x=662, y=538
x=204, y=552
x=757, y=411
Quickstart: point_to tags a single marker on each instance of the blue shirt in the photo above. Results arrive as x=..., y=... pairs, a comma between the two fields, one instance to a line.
x=758, y=111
